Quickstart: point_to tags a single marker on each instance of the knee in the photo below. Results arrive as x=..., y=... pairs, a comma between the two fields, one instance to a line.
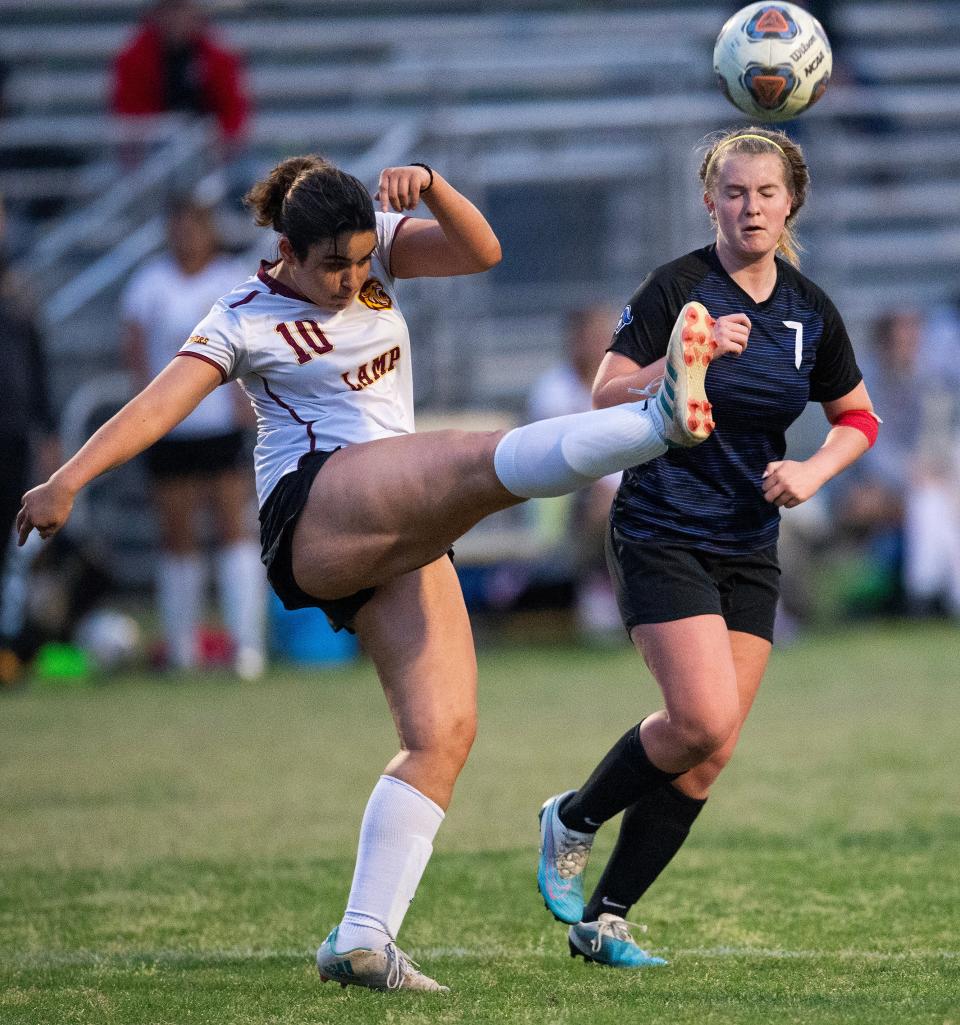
x=696, y=782
x=449, y=747
x=703, y=737
x=460, y=740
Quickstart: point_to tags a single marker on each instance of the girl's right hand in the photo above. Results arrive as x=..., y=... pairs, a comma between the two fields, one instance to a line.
x=46, y=508
x=730, y=333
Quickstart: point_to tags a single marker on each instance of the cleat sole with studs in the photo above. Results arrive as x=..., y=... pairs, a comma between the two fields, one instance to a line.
x=696, y=346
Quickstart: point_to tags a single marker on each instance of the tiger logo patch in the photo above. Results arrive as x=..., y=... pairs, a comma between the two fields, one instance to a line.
x=374, y=296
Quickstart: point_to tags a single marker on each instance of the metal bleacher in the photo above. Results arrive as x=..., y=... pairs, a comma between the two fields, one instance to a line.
x=573, y=124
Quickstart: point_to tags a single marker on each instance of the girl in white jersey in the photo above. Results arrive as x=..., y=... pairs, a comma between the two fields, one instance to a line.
x=357, y=512
x=203, y=462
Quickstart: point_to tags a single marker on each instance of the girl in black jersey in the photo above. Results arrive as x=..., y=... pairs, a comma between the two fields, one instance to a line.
x=692, y=539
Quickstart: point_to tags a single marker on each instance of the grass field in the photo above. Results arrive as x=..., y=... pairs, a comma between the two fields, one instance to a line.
x=172, y=852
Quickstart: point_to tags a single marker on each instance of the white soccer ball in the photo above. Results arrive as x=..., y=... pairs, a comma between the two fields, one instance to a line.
x=773, y=61
x=110, y=638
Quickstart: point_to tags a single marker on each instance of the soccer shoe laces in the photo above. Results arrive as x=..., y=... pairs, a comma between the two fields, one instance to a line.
x=399, y=965
x=616, y=928
x=650, y=390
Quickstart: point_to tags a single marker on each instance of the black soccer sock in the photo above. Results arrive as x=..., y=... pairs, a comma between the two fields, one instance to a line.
x=652, y=831
x=621, y=779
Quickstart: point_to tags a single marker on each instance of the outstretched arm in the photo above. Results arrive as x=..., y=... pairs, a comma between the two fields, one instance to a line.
x=167, y=400
x=458, y=241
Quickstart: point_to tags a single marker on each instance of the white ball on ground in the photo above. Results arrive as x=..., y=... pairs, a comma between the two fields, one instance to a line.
x=112, y=639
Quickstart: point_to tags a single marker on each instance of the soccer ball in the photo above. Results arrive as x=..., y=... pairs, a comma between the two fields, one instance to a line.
x=110, y=638
x=773, y=61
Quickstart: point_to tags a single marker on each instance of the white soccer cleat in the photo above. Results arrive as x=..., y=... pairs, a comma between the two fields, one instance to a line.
x=682, y=397
x=386, y=968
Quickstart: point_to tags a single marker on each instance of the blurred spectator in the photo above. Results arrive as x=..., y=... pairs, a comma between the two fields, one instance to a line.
x=174, y=64
x=932, y=516
x=27, y=440
x=565, y=388
x=904, y=499
x=201, y=463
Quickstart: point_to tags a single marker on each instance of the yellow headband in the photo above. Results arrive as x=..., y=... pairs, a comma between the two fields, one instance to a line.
x=737, y=138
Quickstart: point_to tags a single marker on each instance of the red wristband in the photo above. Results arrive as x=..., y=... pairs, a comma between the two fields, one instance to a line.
x=867, y=423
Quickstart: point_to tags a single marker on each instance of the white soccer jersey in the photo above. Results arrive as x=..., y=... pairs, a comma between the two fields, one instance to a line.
x=165, y=303
x=317, y=379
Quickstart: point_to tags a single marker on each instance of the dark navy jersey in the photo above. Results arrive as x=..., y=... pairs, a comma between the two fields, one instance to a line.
x=710, y=496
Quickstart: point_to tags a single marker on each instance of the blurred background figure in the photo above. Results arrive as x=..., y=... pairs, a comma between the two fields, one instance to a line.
x=174, y=63
x=27, y=429
x=200, y=467
x=565, y=388
x=904, y=501
x=871, y=507
x=931, y=570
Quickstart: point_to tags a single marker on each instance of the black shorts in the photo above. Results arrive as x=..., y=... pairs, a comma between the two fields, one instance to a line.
x=278, y=517
x=660, y=581
x=197, y=457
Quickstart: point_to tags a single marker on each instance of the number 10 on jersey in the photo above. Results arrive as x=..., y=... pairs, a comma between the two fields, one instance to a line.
x=310, y=333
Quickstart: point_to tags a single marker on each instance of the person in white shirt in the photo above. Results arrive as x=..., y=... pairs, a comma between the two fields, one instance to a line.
x=358, y=513
x=566, y=388
x=200, y=466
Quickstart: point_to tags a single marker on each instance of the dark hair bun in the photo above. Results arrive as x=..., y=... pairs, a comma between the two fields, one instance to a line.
x=266, y=198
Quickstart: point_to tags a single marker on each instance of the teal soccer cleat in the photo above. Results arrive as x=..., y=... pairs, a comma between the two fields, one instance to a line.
x=609, y=942
x=563, y=857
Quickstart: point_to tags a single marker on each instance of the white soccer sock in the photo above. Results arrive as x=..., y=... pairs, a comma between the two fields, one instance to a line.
x=554, y=457
x=179, y=594
x=241, y=583
x=396, y=841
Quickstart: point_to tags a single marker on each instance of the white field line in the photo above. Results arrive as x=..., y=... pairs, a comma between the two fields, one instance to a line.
x=177, y=958
x=767, y=953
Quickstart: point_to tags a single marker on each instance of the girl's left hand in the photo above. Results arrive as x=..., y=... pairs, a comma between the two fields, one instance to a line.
x=400, y=187
x=787, y=483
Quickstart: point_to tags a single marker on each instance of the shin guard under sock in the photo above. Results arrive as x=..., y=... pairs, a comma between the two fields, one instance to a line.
x=623, y=776
x=652, y=832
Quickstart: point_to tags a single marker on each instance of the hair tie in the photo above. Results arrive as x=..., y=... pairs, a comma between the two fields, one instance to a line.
x=737, y=138
x=429, y=170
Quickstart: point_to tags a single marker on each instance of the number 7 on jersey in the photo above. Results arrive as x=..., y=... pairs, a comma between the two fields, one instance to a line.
x=796, y=326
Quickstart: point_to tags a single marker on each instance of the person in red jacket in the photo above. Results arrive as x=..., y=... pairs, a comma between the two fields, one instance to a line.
x=173, y=64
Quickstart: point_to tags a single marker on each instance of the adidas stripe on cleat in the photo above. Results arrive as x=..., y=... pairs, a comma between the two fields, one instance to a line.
x=387, y=968
x=682, y=397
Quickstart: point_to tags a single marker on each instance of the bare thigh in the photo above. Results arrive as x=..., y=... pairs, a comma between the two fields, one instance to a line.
x=416, y=631
x=385, y=507
x=692, y=661
x=227, y=495
x=230, y=496
x=750, y=657
x=175, y=500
